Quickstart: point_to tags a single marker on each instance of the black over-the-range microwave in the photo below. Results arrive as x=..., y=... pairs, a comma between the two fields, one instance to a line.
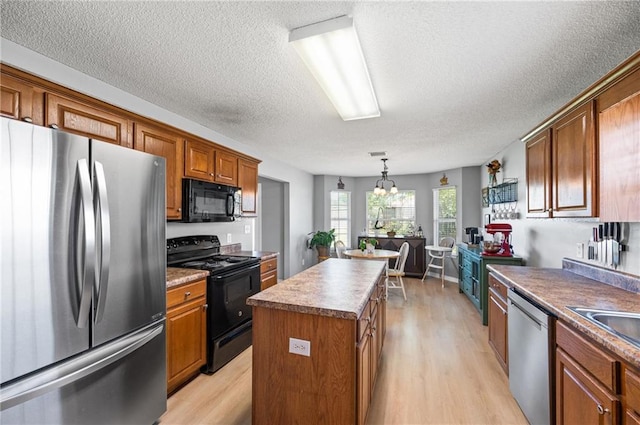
x=204, y=202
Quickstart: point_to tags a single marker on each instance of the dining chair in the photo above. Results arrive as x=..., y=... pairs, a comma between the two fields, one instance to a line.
x=438, y=256
x=397, y=273
x=340, y=248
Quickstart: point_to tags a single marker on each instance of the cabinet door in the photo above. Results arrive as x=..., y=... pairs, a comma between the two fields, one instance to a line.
x=574, y=163
x=163, y=143
x=226, y=168
x=16, y=99
x=580, y=399
x=619, y=151
x=86, y=120
x=498, y=332
x=199, y=160
x=248, y=182
x=538, y=165
x=363, y=379
x=186, y=341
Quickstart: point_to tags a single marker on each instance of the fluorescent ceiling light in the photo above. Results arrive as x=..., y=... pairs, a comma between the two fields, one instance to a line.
x=332, y=52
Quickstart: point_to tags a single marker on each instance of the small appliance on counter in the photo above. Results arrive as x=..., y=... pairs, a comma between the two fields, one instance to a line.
x=501, y=244
x=473, y=236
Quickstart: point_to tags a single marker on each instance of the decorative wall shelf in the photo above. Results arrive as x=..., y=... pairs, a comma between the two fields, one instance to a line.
x=506, y=191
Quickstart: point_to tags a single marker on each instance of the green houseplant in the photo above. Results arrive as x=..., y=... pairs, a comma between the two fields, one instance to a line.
x=368, y=241
x=322, y=241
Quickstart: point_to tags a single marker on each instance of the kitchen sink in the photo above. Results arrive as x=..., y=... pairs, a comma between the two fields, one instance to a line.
x=624, y=324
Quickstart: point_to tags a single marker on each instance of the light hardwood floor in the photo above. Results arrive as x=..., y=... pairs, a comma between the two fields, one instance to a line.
x=436, y=368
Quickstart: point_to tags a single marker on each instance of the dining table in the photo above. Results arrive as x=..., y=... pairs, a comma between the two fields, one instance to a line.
x=376, y=254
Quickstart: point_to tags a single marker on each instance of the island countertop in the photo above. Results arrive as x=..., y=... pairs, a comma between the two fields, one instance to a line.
x=556, y=289
x=335, y=287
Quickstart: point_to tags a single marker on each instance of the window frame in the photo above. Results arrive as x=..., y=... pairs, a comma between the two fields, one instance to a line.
x=349, y=219
x=370, y=220
x=436, y=214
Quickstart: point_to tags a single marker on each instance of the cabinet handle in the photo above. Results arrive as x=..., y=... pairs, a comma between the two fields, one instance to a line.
x=179, y=210
x=602, y=410
x=205, y=307
x=54, y=126
x=187, y=294
x=211, y=174
x=27, y=119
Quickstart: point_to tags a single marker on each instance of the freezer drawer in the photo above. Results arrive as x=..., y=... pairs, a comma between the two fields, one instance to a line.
x=129, y=390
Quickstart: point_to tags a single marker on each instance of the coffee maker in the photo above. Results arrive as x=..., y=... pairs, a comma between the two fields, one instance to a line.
x=473, y=236
x=504, y=249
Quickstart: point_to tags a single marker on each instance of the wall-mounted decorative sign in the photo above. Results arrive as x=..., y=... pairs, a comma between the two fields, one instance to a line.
x=485, y=197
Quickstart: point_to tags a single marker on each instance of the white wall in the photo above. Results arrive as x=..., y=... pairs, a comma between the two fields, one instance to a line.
x=299, y=183
x=544, y=242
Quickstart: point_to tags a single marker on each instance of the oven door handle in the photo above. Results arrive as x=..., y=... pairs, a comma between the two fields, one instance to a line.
x=236, y=272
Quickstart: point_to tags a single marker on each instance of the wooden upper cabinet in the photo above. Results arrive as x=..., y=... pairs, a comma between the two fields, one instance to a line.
x=561, y=167
x=199, y=160
x=226, y=168
x=86, y=120
x=248, y=182
x=619, y=150
x=163, y=143
x=538, y=164
x=17, y=100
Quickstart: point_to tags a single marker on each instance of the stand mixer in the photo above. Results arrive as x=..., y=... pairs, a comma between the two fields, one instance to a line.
x=505, y=246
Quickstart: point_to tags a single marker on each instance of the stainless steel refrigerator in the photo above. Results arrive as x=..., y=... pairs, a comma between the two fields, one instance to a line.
x=82, y=280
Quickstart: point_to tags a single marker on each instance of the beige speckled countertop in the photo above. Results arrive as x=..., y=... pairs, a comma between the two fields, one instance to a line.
x=176, y=276
x=335, y=287
x=555, y=289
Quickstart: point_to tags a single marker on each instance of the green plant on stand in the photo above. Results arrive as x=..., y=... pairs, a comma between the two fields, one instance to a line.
x=322, y=241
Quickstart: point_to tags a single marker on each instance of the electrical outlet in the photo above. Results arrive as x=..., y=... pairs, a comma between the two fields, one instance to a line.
x=228, y=237
x=247, y=228
x=580, y=250
x=300, y=346
x=303, y=261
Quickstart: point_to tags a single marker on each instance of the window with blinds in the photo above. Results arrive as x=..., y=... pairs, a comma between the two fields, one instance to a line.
x=341, y=215
x=391, y=212
x=445, y=213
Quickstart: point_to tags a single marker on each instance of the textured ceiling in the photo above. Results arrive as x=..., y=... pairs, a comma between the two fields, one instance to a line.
x=456, y=81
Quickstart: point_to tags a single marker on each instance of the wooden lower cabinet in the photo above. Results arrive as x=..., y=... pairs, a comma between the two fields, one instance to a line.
x=587, y=381
x=268, y=273
x=186, y=332
x=321, y=388
x=631, y=392
x=498, y=321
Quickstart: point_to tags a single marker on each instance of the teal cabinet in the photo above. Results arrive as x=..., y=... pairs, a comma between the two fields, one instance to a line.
x=473, y=276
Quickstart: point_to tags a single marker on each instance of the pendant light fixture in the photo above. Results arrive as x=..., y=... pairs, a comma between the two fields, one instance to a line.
x=379, y=189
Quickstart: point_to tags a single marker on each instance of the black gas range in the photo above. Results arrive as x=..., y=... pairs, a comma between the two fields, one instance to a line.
x=232, y=279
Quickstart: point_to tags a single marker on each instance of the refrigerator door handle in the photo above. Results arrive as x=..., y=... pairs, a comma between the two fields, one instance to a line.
x=73, y=370
x=103, y=232
x=86, y=270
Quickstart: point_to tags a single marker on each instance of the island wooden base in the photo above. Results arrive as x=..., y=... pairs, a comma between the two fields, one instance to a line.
x=334, y=384
x=291, y=388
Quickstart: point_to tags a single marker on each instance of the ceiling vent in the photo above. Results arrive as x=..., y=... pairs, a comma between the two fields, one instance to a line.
x=375, y=154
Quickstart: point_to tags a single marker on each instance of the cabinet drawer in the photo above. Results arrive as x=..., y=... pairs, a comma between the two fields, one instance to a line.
x=601, y=365
x=499, y=287
x=187, y=292
x=268, y=279
x=268, y=265
x=632, y=391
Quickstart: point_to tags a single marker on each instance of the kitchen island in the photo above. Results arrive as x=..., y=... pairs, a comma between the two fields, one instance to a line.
x=317, y=338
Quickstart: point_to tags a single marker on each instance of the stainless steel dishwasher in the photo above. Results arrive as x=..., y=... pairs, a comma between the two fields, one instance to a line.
x=530, y=357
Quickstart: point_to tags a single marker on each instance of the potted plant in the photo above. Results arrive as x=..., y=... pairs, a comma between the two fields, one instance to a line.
x=369, y=244
x=392, y=232
x=322, y=241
